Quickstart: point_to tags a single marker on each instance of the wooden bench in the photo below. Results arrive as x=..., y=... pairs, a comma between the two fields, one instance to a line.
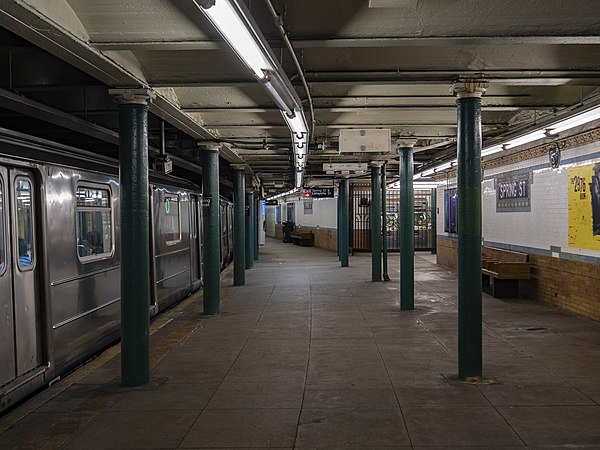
x=501, y=271
x=303, y=238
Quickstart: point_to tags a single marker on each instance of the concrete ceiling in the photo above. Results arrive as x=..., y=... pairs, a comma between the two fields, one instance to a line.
x=378, y=63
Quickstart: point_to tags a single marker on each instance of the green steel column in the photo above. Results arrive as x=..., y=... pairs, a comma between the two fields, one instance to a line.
x=212, y=231
x=256, y=226
x=338, y=218
x=247, y=234
x=344, y=221
x=469, y=230
x=248, y=219
x=384, y=245
x=376, y=222
x=433, y=221
x=240, y=261
x=406, y=229
x=134, y=236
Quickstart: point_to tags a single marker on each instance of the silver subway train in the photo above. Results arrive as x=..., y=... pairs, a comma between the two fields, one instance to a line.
x=60, y=259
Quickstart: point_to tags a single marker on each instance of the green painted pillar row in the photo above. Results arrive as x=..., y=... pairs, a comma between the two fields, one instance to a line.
x=406, y=226
x=257, y=226
x=344, y=221
x=239, y=225
x=376, y=220
x=134, y=234
x=468, y=105
x=338, y=222
x=433, y=221
x=211, y=224
x=384, y=241
x=249, y=230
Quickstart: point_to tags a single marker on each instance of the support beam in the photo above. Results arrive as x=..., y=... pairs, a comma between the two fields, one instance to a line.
x=344, y=221
x=134, y=235
x=376, y=221
x=212, y=230
x=469, y=228
x=406, y=226
x=239, y=226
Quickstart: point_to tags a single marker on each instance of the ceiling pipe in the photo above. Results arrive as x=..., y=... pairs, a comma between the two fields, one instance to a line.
x=278, y=20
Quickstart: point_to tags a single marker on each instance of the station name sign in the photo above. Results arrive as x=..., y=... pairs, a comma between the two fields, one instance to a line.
x=513, y=192
x=318, y=192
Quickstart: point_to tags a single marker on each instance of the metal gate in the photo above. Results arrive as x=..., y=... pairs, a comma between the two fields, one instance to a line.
x=360, y=226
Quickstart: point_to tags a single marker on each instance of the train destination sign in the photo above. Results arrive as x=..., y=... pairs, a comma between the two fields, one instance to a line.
x=512, y=192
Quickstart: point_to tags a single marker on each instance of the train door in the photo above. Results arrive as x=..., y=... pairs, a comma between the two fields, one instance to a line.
x=20, y=334
x=196, y=240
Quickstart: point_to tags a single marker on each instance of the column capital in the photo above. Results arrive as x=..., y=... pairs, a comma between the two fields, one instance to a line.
x=132, y=96
x=376, y=163
x=405, y=143
x=469, y=87
x=238, y=167
x=208, y=146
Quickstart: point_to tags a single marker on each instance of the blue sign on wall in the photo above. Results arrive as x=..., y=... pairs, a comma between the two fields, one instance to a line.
x=513, y=192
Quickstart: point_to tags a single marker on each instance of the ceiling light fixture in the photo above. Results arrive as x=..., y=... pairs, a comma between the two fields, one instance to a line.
x=575, y=121
x=232, y=22
x=552, y=129
x=235, y=24
x=525, y=139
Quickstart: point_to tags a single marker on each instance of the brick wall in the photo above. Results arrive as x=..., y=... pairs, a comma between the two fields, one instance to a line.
x=572, y=285
x=562, y=274
x=326, y=239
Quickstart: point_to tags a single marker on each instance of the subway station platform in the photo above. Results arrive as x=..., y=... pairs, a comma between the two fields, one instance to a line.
x=311, y=355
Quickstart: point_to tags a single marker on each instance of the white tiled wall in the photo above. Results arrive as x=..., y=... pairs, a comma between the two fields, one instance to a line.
x=323, y=216
x=547, y=223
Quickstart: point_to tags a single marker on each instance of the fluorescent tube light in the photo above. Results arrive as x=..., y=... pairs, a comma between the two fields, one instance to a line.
x=491, y=150
x=299, y=179
x=225, y=17
x=447, y=165
x=277, y=98
x=529, y=137
x=417, y=185
x=297, y=124
x=575, y=121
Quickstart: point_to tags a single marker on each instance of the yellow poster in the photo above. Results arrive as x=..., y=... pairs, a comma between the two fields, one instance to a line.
x=584, y=207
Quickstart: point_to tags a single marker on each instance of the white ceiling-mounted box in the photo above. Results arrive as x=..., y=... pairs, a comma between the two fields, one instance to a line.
x=347, y=167
x=365, y=141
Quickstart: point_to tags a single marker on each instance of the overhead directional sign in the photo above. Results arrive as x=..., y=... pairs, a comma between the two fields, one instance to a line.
x=322, y=192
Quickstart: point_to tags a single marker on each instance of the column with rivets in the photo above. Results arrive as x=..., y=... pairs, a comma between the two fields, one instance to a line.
x=376, y=220
x=211, y=227
x=468, y=105
x=344, y=221
x=134, y=234
x=239, y=225
x=406, y=225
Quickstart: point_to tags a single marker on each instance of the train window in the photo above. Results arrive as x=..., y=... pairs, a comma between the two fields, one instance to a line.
x=170, y=218
x=2, y=244
x=24, y=218
x=94, y=223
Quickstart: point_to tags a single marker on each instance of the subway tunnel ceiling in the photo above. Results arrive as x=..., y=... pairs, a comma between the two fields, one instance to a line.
x=368, y=64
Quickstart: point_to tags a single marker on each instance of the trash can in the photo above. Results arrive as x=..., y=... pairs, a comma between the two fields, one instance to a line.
x=288, y=228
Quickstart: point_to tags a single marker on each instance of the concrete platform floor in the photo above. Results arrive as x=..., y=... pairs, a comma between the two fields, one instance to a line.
x=310, y=355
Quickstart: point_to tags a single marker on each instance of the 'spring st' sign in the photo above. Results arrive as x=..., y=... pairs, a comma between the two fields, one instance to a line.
x=513, y=192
